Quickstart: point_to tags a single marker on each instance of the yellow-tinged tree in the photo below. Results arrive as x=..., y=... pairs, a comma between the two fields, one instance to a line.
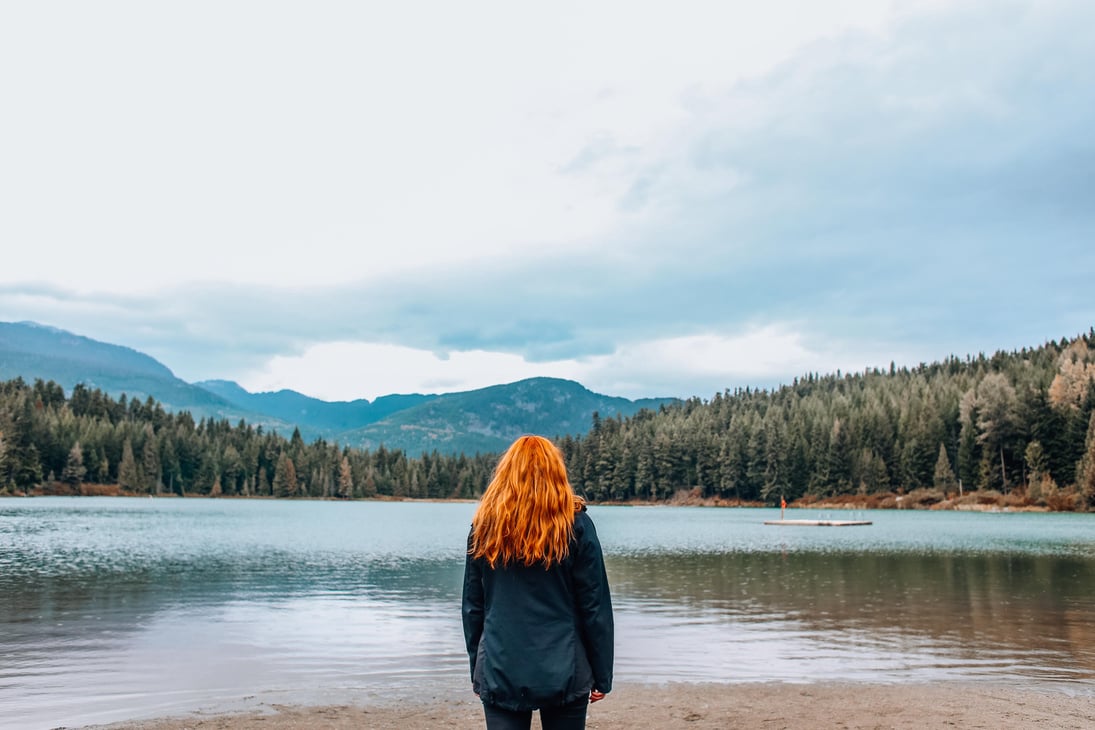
x=285, y=477
x=345, y=479
x=1075, y=373
x=1085, y=470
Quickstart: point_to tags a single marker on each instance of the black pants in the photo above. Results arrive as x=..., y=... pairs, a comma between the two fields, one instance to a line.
x=563, y=717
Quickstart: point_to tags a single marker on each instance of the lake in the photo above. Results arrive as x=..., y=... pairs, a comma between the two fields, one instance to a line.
x=115, y=608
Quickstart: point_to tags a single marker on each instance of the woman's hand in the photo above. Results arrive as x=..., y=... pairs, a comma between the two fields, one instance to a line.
x=596, y=696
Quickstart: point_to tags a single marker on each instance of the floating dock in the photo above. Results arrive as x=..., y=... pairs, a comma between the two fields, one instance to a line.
x=819, y=523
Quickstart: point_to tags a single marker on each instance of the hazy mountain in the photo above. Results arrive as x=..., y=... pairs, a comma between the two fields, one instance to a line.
x=479, y=420
x=326, y=417
x=488, y=419
x=30, y=351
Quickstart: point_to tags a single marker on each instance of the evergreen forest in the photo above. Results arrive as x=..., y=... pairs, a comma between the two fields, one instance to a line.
x=89, y=440
x=1019, y=423
x=1014, y=423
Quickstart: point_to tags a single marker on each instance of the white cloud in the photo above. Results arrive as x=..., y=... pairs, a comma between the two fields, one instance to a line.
x=248, y=142
x=698, y=365
x=702, y=365
x=349, y=370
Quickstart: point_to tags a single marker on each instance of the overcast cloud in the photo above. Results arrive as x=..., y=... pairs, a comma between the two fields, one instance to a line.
x=651, y=199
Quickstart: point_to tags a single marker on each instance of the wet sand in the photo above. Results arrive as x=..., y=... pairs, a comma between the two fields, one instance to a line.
x=706, y=706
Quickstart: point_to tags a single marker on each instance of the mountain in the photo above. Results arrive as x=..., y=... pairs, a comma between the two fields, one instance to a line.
x=312, y=414
x=484, y=420
x=488, y=419
x=30, y=351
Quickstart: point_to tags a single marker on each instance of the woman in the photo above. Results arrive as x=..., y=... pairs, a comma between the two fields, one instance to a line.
x=537, y=612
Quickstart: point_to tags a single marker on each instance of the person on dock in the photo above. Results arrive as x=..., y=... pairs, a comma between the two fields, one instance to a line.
x=536, y=607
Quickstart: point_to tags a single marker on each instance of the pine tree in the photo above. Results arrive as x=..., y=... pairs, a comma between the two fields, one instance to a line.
x=839, y=461
x=943, y=477
x=150, y=463
x=231, y=469
x=74, y=471
x=1036, y=460
x=871, y=472
x=345, y=479
x=3, y=453
x=369, y=487
x=23, y=463
x=170, y=469
x=968, y=454
x=285, y=477
x=28, y=468
x=1085, y=469
x=997, y=420
x=399, y=477
x=1040, y=484
x=129, y=476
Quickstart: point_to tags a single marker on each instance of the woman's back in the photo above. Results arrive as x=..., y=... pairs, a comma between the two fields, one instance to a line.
x=536, y=609
x=546, y=631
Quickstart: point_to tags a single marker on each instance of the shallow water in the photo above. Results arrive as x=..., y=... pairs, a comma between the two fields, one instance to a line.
x=120, y=608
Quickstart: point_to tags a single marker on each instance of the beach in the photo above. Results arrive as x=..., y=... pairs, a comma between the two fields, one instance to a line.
x=766, y=706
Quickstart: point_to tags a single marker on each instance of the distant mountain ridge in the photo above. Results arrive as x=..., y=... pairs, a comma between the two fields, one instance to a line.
x=59, y=349
x=483, y=420
x=30, y=350
x=321, y=415
x=490, y=418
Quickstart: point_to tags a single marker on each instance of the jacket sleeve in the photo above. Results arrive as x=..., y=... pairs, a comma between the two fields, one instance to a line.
x=594, y=606
x=472, y=607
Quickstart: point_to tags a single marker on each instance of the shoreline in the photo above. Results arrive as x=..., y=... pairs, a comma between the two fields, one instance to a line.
x=700, y=706
x=916, y=500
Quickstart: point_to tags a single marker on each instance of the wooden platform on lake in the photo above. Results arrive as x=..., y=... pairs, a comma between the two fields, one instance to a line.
x=819, y=523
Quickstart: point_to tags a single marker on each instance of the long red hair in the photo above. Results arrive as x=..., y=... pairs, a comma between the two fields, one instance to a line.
x=527, y=513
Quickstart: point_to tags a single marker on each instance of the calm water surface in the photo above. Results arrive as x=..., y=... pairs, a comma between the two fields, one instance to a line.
x=113, y=608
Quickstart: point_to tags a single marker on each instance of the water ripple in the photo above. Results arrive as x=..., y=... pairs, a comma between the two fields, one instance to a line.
x=158, y=606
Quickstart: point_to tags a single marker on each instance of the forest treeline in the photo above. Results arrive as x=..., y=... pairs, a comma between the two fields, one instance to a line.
x=1016, y=422
x=48, y=440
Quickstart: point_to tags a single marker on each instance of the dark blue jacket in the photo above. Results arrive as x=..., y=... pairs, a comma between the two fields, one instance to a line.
x=536, y=636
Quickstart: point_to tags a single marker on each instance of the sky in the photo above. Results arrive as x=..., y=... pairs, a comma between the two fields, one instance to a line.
x=654, y=199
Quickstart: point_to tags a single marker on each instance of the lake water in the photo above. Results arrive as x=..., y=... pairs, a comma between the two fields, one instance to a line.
x=114, y=608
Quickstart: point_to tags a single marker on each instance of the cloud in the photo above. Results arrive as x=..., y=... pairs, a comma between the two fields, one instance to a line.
x=918, y=185
x=347, y=370
x=265, y=144
x=676, y=366
x=702, y=365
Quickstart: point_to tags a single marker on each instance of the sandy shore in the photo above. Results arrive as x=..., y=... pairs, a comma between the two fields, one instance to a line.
x=745, y=706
